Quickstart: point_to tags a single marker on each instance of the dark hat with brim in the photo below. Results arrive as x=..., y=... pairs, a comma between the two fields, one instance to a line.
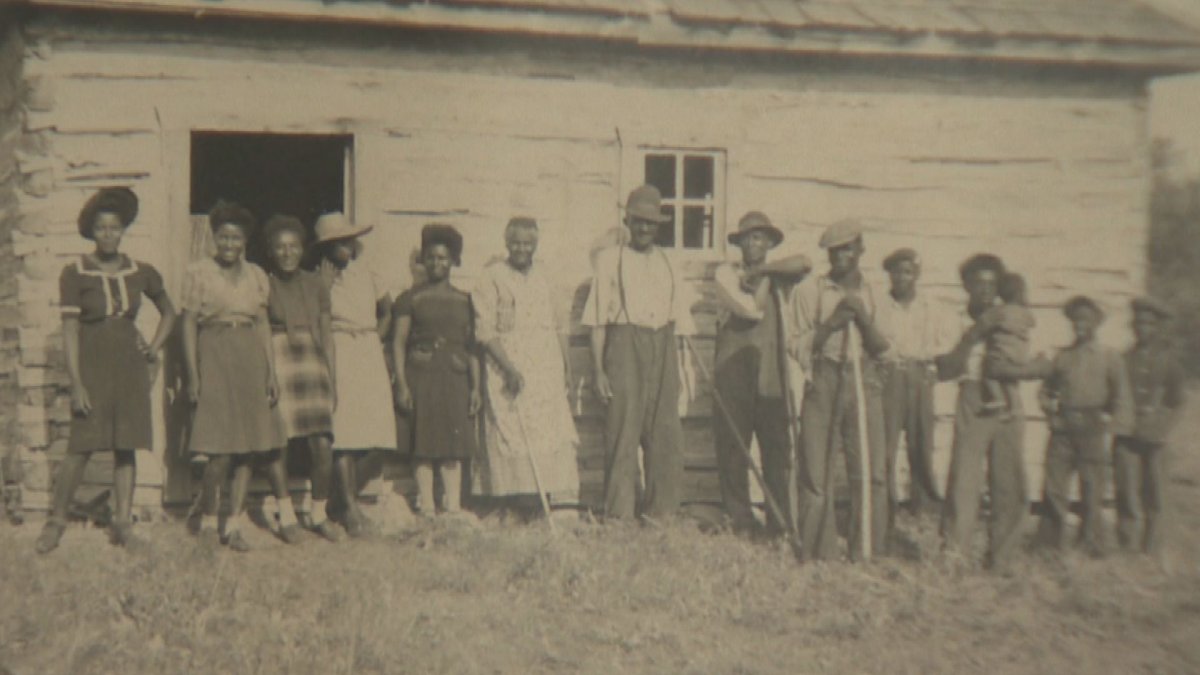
x=120, y=201
x=756, y=221
x=1147, y=303
x=1082, y=302
x=645, y=202
x=441, y=233
x=901, y=255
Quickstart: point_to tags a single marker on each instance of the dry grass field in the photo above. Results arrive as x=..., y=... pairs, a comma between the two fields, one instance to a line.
x=655, y=599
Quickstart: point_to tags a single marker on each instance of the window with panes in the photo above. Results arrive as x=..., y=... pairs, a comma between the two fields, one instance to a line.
x=692, y=186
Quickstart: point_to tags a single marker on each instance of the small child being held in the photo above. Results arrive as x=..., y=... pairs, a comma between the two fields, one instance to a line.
x=1008, y=343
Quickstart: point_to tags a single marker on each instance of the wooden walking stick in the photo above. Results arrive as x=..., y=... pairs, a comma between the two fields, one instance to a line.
x=537, y=475
x=772, y=505
x=864, y=443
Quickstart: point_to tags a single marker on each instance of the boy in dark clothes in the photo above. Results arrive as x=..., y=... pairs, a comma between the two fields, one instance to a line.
x=1156, y=376
x=1086, y=396
x=1008, y=343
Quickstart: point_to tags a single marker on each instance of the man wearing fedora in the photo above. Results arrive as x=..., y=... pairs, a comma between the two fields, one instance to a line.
x=823, y=311
x=636, y=309
x=750, y=375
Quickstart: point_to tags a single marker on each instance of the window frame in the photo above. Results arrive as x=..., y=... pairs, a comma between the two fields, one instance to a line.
x=636, y=167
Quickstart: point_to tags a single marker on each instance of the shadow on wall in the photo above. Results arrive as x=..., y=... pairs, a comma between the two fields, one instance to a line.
x=1174, y=250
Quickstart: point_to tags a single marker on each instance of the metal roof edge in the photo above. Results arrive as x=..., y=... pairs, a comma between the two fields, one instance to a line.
x=658, y=30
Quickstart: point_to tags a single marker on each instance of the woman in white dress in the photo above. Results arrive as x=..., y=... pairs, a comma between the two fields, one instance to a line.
x=528, y=416
x=362, y=418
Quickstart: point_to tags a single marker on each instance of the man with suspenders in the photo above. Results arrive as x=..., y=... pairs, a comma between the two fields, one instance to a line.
x=636, y=311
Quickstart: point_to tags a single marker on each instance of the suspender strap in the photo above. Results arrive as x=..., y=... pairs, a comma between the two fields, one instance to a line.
x=621, y=285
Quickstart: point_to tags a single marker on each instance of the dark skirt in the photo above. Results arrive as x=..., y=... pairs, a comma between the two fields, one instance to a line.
x=117, y=379
x=440, y=384
x=234, y=415
x=305, y=405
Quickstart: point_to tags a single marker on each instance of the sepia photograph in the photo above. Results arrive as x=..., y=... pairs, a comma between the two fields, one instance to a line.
x=599, y=336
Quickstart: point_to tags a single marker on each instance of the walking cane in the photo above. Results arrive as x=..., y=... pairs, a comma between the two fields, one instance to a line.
x=792, y=539
x=537, y=475
x=864, y=444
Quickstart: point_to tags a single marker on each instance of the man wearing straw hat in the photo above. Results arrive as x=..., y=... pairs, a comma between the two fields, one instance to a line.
x=636, y=309
x=749, y=375
x=833, y=327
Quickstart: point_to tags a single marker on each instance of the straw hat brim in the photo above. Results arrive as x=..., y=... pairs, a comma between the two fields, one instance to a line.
x=348, y=234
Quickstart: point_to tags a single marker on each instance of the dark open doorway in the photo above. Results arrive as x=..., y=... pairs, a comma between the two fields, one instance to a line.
x=302, y=175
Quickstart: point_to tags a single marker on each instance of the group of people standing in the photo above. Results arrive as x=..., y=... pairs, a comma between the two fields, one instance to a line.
x=869, y=360
x=300, y=358
x=297, y=358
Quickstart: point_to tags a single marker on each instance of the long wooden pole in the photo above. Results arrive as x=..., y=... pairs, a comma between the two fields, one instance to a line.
x=792, y=405
x=864, y=443
x=772, y=505
x=537, y=475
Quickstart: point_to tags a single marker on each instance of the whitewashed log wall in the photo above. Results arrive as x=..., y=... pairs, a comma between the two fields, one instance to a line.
x=1053, y=179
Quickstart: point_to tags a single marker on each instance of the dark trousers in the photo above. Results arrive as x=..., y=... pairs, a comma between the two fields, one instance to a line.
x=1138, y=473
x=1068, y=452
x=908, y=410
x=750, y=413
x=829, y=423
x=998, y=442
x=643, y=369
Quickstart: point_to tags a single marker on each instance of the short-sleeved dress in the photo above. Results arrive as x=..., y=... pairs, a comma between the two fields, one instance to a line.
x=111, y=366
x=365, y=418
x=233, y=415
x=515, y=309
x=437, y=367
x=294, y=310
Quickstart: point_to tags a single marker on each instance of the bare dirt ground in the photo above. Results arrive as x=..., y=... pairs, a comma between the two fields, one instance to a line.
x=592, y=599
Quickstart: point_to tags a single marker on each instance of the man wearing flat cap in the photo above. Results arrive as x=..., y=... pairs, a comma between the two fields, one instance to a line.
x=1156, y=376
x=832, y=320
x=917, y=330
x=1086, y=397
x=750, y=374
x=636, y=310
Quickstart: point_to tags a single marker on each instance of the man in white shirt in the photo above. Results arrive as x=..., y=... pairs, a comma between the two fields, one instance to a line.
x=637, y=309
x=917, y=330
x=832, y=318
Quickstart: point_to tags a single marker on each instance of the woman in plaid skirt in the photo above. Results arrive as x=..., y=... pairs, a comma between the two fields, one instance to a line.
x=299, y=313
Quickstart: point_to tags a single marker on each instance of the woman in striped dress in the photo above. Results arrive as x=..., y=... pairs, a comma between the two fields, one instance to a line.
x=231, y=377
x=302, y=337
x=108, y=362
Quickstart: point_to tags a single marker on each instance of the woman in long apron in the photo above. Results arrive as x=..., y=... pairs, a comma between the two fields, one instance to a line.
x=109, y=363
x=363, y=420
x=231, y=377
x=526, y=410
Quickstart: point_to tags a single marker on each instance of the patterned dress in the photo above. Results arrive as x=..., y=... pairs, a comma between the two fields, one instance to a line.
x=111, y=366
x=233, y=415
x=294, y=309
x=515, y=309
x=437, y=367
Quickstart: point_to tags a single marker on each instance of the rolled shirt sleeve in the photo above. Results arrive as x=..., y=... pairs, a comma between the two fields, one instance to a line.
x=731, y=297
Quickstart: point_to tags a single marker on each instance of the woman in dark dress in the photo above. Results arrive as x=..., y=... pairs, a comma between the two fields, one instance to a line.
x=302, y=336
x=231, y=377
x=109, y=364
x=437, y=370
